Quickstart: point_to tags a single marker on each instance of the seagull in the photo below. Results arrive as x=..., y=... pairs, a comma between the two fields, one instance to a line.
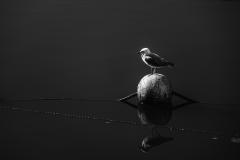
x=153, y=60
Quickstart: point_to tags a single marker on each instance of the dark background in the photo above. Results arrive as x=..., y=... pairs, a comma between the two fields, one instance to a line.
x=87, y=48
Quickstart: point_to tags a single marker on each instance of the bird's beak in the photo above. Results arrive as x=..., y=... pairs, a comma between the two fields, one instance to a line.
x=138, y=52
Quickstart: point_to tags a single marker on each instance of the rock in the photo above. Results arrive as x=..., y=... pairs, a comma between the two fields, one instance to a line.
x=154, y=88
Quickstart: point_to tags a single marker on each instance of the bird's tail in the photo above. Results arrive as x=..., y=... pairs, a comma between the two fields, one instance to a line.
x=170, y=64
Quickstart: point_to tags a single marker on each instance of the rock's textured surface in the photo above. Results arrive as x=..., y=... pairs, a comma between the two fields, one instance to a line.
x=154, y=88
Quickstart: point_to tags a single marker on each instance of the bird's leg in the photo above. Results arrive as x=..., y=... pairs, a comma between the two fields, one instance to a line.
x=152, y=70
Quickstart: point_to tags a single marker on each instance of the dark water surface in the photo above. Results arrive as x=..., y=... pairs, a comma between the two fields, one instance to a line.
x=87, y=49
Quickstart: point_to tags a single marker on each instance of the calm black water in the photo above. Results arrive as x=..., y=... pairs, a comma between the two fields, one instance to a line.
x=87, y=49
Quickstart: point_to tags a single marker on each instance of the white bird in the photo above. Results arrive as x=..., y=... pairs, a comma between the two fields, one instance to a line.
x=153, y=60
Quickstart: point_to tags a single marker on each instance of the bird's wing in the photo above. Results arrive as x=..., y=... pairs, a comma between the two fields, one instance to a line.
x=155, y=60
x=166, y=62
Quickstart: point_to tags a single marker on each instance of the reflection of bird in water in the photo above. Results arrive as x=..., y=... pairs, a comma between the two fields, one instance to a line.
x=152, y=141
x=153, y=60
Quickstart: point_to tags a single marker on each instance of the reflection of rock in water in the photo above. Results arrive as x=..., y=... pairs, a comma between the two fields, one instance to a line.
x=158, y=114
x=154, y=88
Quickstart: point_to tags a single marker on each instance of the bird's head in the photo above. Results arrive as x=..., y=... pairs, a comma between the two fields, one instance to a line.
x=144, y=51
